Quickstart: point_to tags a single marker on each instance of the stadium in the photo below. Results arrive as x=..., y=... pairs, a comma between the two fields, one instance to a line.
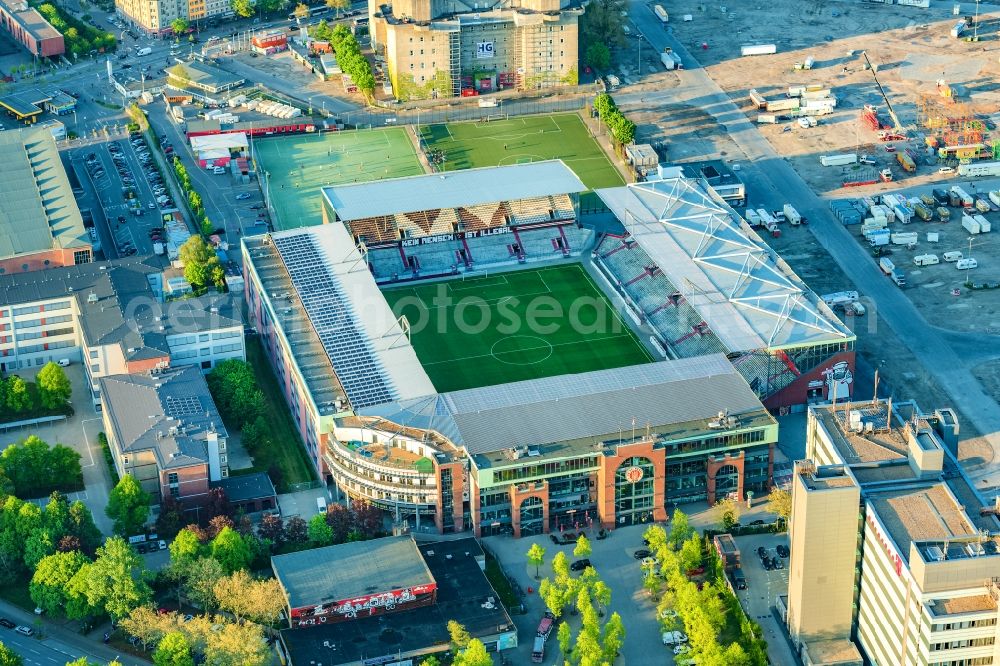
x=463, y=351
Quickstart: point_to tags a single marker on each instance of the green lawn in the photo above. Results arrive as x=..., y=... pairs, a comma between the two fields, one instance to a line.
x=524, y=139
x=288, y=455
x=298, y=166
x=508, y=327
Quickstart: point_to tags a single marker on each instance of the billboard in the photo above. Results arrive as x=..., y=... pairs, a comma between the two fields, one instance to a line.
x=484, y=50
x=364, y=606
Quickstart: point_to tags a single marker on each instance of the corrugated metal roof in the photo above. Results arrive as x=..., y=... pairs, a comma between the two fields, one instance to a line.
x=452, y=189
x=750, y=298
x=37, y=209
x=597, y=404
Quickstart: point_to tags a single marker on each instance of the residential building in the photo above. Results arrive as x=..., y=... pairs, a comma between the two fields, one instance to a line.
x=438, y=48
x=892, y=547
x=112, y=317
x=36, y=231
x=30, y=29
x=154, y=17
x=341, y=613
x=163, y=429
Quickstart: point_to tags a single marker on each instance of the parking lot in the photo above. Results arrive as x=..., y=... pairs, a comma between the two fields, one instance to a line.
x=131, y=192
x=763, y=585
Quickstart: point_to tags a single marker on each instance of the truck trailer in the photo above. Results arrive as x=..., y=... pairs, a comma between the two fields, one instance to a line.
x=661, y=13
x=758, y=49
x=792, y=215
x=987, y=169
x=839, y=160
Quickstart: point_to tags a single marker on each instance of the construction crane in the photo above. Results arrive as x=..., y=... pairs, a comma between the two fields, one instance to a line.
x=898, y=133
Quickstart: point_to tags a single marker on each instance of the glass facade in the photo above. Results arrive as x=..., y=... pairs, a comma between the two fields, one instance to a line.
x=634, y=497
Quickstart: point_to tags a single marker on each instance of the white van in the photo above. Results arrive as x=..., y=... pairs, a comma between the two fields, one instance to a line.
x=217, y=170
x=965, y=264
x=925, y=259
x=320, y=505
x=953, y=256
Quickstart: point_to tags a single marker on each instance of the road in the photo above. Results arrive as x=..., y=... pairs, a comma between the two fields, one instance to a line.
x=769, y=175
x=53, y=645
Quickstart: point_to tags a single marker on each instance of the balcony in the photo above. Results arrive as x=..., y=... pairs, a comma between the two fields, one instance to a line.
x=387, y=458
x=337, y=468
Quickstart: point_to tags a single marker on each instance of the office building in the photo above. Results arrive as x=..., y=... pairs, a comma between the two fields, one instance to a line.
x=894, y=554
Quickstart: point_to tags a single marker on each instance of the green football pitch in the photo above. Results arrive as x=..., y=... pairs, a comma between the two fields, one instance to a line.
x=298, y=166
x=524, y=139
x=507, y=327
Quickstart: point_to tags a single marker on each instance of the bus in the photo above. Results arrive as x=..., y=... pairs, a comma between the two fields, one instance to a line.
x=538, y=651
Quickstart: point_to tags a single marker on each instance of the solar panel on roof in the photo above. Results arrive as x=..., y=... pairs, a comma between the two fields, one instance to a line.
x=332, y=320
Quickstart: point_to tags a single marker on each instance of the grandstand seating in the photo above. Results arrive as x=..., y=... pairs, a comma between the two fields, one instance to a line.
x=385, y=262
x=676, y=322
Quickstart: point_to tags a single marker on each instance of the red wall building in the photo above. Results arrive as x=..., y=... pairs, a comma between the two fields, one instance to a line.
x=30, y=29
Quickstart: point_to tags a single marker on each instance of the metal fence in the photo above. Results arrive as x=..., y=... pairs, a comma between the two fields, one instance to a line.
x=372, y=118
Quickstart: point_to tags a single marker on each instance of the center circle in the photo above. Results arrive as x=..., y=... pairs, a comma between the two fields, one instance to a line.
x=521, y=350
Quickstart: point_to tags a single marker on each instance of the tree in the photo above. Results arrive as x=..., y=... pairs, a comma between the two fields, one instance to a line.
x=602, y=24
x=237, y=645
x=301, y=11
x=613, y=637
x=218, y=505
x=320, y=532
x=8, y=657
x=598, y=56
x=340, y=520
x=38, y=546
x=272, y=529
x=367, y=517
x=691, y=555
x=247, y=598
x=230, y=550
x=54, y=388
x=199, y=260
x=243, y=8
x=217, y=524
x=565, y=638
x=199, y=583
x=171, y=517
x=430, y=661
x=185, y=548
x=297, y=530
x=781, y=504
x=128, y=506
x=116, y=580
x=19, y=400
x=536, y=556
x=582, y=547
x=173, y=650
x=179, y=26
x=145, y=624
x=338, y=5
x=680, y=529
x=49, y=587
x=729, y=513
x=474, y=655
x=460, y=637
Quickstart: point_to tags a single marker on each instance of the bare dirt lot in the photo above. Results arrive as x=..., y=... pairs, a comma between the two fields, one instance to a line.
x=911, y=48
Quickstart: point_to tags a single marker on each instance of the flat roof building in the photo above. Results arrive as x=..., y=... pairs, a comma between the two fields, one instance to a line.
x=197, y=75
x=377, y=628
x=30, y=29
x=879, y=481
x=40, y=224
x=164, y=430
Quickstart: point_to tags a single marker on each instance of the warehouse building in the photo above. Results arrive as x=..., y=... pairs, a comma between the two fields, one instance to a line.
x=894, y=554
x=387, y=601
x=30, y=29
x=437, y=48
x=38, y=232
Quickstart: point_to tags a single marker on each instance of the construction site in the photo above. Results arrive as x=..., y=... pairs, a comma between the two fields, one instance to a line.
x=890, y=85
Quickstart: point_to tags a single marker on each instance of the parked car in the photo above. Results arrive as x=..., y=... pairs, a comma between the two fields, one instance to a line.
x=243, y=196
x=24, y=631
x=580, y=565
x=782, y=550
x=4, y=622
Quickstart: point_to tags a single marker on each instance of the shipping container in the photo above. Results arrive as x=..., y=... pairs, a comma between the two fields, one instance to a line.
x=826, y=104
x=783, y=104
x=991, y=169
x=839, y=160
x=795, y=91
x=878, y=237
x=959, y=28
x=758, y=49
x=792, y=215
x=753, y=219
x=970, y=225
x=904, y=238
x=767, y=118
x=758, y=100
x=822, y=93
x=995, y=197
x=984, y=224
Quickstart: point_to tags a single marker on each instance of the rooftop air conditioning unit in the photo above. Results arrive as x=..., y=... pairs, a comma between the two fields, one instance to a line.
x=91, y=297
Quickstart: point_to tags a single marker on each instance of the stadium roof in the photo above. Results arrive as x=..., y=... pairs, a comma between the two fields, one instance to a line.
x=452, y=189
x=37, y=209
x=353, y=569
x=569, y=407
x=368, y=350
x=750, y=298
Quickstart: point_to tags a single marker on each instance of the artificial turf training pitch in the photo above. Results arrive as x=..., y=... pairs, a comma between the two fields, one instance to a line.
x=298, y=166
x=521, y=139
x=519, y=325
